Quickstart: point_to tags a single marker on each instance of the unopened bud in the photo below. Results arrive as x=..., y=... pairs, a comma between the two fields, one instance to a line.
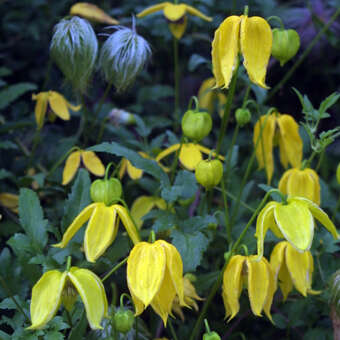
x=209, y=173
x=243, y=116
x=117, y=117
x=69, y=296
x=286, y=43
x=196, y=125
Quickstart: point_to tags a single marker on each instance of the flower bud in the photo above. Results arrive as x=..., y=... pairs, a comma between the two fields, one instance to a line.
x=107, y=191
x=242, y=116
x=69, y=296
x=123, y=56
x=196, y=125
x=123, y=320
x=211, y=336
x=286, y=43
x=338, y=173
x=74, y=49
x=209, y=173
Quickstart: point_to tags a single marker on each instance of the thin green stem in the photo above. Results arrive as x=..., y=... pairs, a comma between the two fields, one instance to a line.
x=121, y=263
x=276, y=18
x=337, y=207
x=310, y=159
x=322, y=275
x=207, y=327
x=177, y=75
x=226, y=209
x=47, y=75
x=303, y=56
x=233, y=197
x=230, y=152
x=175, y=161
x=101, y=129
x=322, y=155
x=68, y=263
x=172, y=330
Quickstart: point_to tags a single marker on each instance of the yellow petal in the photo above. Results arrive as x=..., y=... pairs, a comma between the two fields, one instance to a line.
x=167, y=152
x=207, y=151
x=190, y=155
x=133, y=172
x=256, y=46
x=215, y=58
x=46, y=297
x=77, y=223
x=58, y=105
x=285, y=281
x=93, y=163
x=92, y=293
x=174, y=12
x=152, y=9
x=296, y=224
x=71, y=167
x=40, y=108
x=139, y=306
x=92, y=12
x=9, y=200
x=193, y=11
x=122, y=168
x=145, y=270
x=284, y=180
x=316, y=197
x=271, y=290
x=100, y=232
x=301, y=183
x=178, y=28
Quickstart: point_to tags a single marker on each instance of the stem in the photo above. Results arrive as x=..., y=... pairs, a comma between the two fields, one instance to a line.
x=233, y=197
x=36, y=140
x=172, y=331
x=175, y=161
x=226, y=215
x=114, y=269
x=309, y=161
x=303, y=56
x=68, y=263
x=176, y=65
x=276, y=18
x=207, y=328
x=69, y=319
x=322, y=154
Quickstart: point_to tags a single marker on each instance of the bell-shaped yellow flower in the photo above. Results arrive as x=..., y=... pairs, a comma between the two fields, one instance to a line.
x=142, y=205
x=292, y=267
x=155, y=276
x=9, y=201
x=175, y=14
x=293, y=221
x=90, y=160
x=304, y=183
x=47, y=295
x=281, y=128
x=101, y=230
x=58, y=104
x=250, y=36
x=259, y=279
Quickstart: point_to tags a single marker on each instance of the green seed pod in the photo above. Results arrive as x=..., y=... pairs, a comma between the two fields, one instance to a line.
x=123, y=320
x=209, y=173
x=196, y=125
x=211, y=336
x=123, y=57
x=338, y=173
x=243, y=116
x=108, y=191
x=286, y=43
x=74, y=49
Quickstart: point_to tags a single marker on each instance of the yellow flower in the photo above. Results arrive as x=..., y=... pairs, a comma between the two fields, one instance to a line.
x=133, y=172
x=101, y=230
x=190, y=155
x=90, y=160
x=142, y=205
x=259, y=279
x=49, y=292
x=92, y=12
x=175, y=14
x=155, y=276
x=253, y=37
x=292, y=267
x=305, y=183
x=281, y=127
x=58, y=104
x=9, y=201
x=293, y=221
x=207, y=96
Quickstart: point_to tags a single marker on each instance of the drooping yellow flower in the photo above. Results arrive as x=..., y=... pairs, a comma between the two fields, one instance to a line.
x=259, y=279
x=250, y=36
x=142, y=205
x=292, y=267
x=92, y=12
x=175, y=14
x=90, y=160
x=101, y=230
x=293, y=221
x=49, y=291
x=281, y=128
x=9, y=201
x=155, y=276
x=208, y=96
x=58, y=104
x=190, y=154
x=133, y=172
x=304, y=183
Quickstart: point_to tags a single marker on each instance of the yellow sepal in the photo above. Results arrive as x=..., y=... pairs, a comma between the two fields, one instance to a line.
x=58, y=105
x=40, y=108
x=152, y=9
x=93, y=163
x=193, y=11
x=71, y=167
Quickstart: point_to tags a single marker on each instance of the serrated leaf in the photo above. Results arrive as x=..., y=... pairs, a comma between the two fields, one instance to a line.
x=165, y=220
x=32, y=219
x=54, y=335
x=12, y=92
x=196, y=223
x=21, y=244
x=8, y=303
x=328, y=102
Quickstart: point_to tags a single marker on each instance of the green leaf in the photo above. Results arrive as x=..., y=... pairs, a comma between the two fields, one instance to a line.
x=78, y=199
x=154, y=93
x=4, y=71
x=5, y=174
x=328, y=102
x=197, y=223
x=21, y=244
x=8, y=303
x=78, y=331
x=32, y=219
x=11, y=93
x=165, y=220
x=4, y=336
x=6, y=144
x=196, y=60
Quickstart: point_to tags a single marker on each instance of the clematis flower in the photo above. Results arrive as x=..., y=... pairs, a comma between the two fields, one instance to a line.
x=101, y=230
x=292, y=267
x=58, y=104
x=259, y=279
x=53, y=287
x=304, y=183
x=293, y=221
x=176, y=16
x=281, y=127
x=90, y=160
x=250, y=36
x=142, y=205
x=155, y=276
x=190, y=154
x=10, y=201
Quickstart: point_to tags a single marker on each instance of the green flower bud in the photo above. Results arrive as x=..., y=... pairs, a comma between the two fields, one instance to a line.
x=209, y=173
x=123, y=56
x=242, y=116
x=123, y=320
x=74, y=49
x=286, y=43
x=108, y=191
x=211, y=336
x=338, y=173
x=196, y=125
